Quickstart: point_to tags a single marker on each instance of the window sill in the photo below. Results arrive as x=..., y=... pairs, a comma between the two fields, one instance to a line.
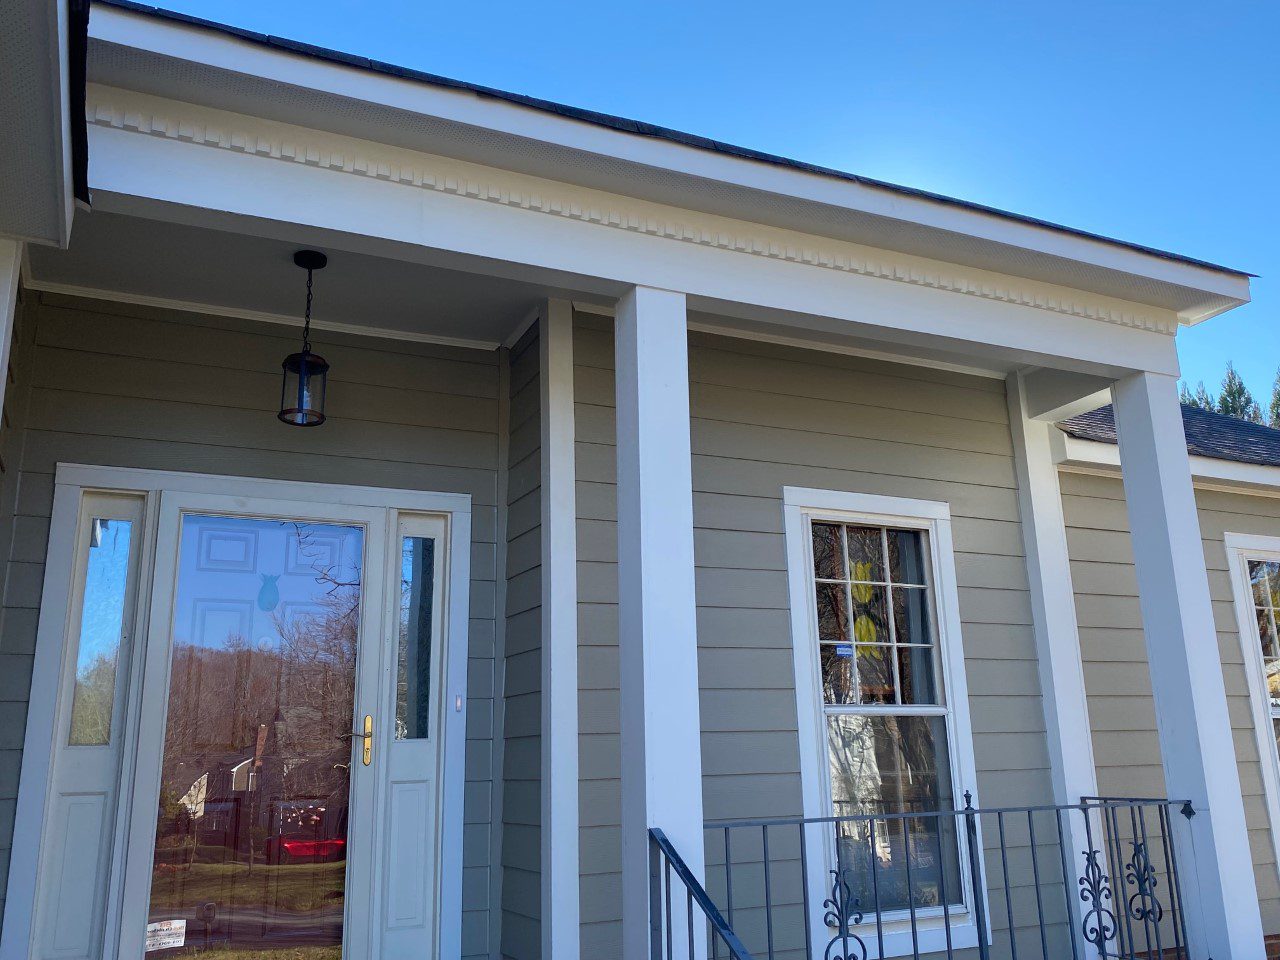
x=930, y=936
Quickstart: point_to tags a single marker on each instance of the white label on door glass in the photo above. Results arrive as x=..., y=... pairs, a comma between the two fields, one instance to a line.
x=165, y=934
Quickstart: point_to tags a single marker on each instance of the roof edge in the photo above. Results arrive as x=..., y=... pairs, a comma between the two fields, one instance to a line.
x=643, y=129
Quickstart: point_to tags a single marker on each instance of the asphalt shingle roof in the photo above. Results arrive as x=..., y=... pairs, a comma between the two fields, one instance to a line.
x=1208, y=435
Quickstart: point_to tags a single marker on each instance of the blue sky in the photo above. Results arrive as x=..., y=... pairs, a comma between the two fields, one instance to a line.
x=1157, y=122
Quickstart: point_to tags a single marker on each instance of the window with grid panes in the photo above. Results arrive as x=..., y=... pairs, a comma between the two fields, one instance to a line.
x=885, y=710
x=1264, y=578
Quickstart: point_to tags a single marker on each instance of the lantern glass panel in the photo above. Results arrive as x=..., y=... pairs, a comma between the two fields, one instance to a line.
x=302, y=395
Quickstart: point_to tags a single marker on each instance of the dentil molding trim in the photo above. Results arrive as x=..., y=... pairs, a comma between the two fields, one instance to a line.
x=174, y=120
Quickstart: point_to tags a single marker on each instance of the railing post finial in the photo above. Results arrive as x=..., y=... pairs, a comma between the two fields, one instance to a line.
x=968, y=800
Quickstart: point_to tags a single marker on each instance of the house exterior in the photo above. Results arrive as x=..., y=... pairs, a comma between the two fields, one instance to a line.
x=690, y=562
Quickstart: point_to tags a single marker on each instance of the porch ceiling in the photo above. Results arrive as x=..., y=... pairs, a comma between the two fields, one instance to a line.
x=129, y=258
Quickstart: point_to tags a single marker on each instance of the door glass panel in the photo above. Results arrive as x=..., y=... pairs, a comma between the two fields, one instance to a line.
x=251, y=831
x=413, y=652
x=106, y=581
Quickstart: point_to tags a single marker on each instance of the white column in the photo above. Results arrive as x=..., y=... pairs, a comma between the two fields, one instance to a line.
x=560, y=936
x=1186, y=670
x=657, y=630
x=10, y=272
x=1053, y=611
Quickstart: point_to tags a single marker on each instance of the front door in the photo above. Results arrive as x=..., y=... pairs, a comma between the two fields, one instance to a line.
x=279, y=754
x=260, y=768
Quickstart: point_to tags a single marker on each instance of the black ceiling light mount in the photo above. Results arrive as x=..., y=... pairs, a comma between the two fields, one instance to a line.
x=305, y=374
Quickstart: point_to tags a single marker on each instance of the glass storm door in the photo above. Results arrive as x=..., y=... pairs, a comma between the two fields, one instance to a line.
x=255, y=779
x=292, y=737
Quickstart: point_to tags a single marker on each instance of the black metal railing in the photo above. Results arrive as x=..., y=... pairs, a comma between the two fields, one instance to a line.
x=1095, y=880
x=682, y=916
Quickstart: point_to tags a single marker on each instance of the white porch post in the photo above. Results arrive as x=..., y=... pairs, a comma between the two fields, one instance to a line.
x=1186, y=671
x=1053, y=611
x=560, y=935
x=657, y=630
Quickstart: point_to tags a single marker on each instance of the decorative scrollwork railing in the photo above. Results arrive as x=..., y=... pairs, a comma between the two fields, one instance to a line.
x=1096, y=880
x=1099, y=922
x=843, y=916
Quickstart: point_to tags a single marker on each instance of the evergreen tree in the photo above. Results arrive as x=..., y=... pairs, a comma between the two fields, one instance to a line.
x=1204, y=398
x=1273, y=412
x=1201, y=398
x=1235, y=400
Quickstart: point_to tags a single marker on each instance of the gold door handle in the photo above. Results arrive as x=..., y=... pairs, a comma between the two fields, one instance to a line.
x=366, y=751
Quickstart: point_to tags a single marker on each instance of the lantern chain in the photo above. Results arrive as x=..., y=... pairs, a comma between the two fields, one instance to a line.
x=306, y=325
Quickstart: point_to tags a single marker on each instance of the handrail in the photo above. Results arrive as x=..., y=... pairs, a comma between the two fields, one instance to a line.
x=697, y=894
x=1089, y=803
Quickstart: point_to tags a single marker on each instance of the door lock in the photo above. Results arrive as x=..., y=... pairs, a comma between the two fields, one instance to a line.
x=366, y=735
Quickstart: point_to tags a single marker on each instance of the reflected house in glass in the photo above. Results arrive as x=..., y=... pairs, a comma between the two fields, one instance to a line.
x=260, y=695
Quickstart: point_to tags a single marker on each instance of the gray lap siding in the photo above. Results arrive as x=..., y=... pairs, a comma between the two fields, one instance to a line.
x=122, y=385
x=765, y=417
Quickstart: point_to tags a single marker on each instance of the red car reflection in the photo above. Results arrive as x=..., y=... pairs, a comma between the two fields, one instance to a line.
x=305, y=849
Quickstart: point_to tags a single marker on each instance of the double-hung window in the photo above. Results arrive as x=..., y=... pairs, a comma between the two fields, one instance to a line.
x=875, y=625
x=1254, y=562
x=1264, y=584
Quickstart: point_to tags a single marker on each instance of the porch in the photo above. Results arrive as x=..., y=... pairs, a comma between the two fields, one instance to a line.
x=922, y=434
x=761, y=523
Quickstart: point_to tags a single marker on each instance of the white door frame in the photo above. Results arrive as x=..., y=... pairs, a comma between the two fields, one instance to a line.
x=71, y=480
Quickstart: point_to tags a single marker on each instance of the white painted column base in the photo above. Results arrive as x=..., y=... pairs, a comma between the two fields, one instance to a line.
x=1216, y=866
x=657, y=628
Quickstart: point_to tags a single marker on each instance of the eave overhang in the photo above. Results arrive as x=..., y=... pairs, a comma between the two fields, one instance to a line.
x=206, y=64
x=41, y=47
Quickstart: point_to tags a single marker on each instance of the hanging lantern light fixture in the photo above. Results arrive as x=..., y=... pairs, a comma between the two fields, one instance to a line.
x=305, y=374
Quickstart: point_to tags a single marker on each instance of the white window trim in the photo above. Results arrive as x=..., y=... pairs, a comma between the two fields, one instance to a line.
x=1241, y=548
x=800, y=506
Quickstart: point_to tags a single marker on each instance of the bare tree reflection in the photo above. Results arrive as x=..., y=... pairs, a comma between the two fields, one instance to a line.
x=252, y=822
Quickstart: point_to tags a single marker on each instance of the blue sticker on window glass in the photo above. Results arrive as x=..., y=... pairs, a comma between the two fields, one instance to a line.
x=844, y=650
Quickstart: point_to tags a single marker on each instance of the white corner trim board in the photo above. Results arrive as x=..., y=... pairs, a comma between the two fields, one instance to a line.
x=559, y=839
x=1052, y=601
x=137, y=113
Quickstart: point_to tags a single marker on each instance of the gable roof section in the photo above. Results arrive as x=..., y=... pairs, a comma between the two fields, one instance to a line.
x=1209, y=434
x=678, y=168
x=625, y=125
